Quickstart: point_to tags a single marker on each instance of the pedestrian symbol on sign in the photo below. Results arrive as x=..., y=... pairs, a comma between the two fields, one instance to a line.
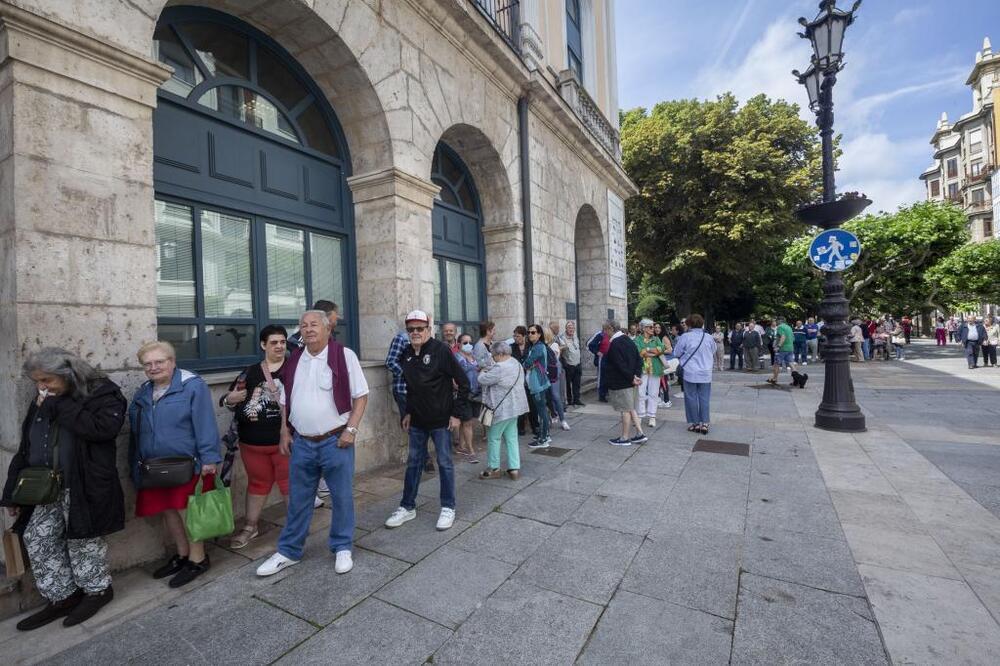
x=835, y=250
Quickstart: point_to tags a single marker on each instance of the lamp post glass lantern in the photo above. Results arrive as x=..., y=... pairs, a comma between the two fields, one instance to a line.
x=838, y=410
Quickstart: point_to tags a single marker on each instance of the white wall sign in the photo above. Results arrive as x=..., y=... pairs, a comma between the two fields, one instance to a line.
x=617, y=281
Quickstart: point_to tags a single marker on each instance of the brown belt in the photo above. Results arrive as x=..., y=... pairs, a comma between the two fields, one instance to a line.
x=325, y=435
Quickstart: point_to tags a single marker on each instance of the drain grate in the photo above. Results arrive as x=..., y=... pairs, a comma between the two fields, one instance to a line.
x=552, y=451
x=715, y=446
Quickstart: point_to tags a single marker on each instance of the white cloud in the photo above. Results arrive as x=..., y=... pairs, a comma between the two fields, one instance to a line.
x=884, y=169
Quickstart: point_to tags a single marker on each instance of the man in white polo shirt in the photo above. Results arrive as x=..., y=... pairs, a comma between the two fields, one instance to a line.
x=325, y=397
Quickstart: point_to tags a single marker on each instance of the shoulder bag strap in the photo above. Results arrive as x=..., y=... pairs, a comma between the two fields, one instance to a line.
x=520, y=375
x=695, y=349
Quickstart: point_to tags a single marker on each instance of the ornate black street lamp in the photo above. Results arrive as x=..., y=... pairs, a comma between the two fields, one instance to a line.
x=838, y=411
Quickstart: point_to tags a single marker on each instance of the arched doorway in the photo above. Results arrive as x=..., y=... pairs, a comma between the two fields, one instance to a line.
x=591, y=260
x=459, y=290
x=253, y=214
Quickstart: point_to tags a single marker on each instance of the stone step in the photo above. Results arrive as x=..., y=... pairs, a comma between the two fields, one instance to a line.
x=13, y=597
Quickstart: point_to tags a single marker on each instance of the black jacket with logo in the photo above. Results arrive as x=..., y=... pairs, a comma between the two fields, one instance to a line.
x=431, y=376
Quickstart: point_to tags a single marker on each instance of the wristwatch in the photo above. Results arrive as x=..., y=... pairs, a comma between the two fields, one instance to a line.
x=352, y=430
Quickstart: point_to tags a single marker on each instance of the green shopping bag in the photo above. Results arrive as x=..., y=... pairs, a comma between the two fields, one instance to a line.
x=209, y=514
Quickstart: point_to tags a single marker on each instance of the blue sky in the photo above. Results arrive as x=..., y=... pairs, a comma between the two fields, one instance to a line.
x=907, y=61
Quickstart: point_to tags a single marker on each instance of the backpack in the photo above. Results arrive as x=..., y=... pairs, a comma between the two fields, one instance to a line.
x=551, y=365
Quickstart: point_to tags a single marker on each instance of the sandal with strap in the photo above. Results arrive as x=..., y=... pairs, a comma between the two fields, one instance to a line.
x=492, y=473
x=693, y=427
x=243, y=537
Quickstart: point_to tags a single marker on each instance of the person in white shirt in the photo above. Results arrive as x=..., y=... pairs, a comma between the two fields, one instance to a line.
x=324, y=398
x=856, y=338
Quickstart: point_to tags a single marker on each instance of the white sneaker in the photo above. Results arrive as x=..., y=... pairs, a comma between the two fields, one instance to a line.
x=344, y=562
x=324, y=491
x=318, y=502
x=804, y=363
x=400, y=516
x=652, y=422
x=274, y=564
x=668, y=404
x=565, y=426
x=446, y=519
x=679, y=395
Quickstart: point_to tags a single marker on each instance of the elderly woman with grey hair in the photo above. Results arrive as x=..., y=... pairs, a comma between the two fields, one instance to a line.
x=502, y=386
x=67, y=440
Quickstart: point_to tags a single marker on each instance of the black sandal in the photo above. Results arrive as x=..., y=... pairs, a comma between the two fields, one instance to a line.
x=703, y=428
x=693, y=427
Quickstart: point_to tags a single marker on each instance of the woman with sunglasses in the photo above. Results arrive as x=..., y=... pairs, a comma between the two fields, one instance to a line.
x=538, y=384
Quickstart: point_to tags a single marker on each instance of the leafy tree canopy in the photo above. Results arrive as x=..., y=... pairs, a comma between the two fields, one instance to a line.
x=967, y=276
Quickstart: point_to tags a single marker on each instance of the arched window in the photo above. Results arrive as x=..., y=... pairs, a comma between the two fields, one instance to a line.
x=253, y=213
x=460, y=295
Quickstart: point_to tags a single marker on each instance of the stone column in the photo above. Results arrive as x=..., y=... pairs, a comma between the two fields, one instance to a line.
x=505, y=276
x=76, y=215
x=395, y=263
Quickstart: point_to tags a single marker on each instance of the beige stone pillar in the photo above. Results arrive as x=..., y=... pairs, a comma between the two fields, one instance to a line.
x=395, y=263
x=76, y=215
x=505, y=276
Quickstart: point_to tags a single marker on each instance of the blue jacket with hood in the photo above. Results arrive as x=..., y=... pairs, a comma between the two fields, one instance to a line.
x=181, y=423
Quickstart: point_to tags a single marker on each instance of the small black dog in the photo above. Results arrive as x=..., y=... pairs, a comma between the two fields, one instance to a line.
x=799, y=379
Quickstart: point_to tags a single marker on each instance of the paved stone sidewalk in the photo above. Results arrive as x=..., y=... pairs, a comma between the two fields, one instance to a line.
x=815, y=548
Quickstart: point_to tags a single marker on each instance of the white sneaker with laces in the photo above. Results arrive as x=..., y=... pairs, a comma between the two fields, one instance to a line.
x=446, y=519
x=318, y=502
x=652, y=422
x=565, y=426
x=344, y=562
x=400, y=516
x=323, y=490
x=274, y=564
x=668, y=404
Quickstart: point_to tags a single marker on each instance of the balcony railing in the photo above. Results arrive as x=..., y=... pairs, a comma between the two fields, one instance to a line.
x=587, y=111
x=979, y=205
x=504, y=15
x=974, y=177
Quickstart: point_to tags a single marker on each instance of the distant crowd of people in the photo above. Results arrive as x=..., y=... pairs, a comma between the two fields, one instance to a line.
x=978, y=336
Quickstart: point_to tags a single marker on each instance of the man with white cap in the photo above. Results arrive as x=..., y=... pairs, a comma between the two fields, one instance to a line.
x=432, y=412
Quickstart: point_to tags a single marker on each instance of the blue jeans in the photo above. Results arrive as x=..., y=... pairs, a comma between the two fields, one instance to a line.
x=310, y=461
x=866, y=348
x=697, y=396
x=415, y=466
x=543, y=414
x=800, y=351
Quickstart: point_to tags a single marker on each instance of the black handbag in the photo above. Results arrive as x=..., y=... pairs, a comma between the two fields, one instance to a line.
x=166, y=472
x=39, y=484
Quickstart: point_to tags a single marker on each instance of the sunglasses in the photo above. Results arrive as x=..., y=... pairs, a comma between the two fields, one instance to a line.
x=533, y=333
x=416, y=329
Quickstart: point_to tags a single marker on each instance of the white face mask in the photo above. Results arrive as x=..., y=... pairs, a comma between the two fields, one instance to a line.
x=467, y=348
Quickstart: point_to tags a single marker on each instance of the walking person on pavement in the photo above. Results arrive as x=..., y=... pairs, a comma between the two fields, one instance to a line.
x=971, y=335
x=696, y=350
x=785, y=355
x=856, y=338
x=432, y=412
x=502, y=393
x=650, y=348
x=538, y=384
x=571, y=365
x=753, y=343
x=720, y=347
x=624, y=374
x=324, y=397
x=812, y=339
x=736, y=346
x=70, y=427
x=940, y=333
x=990, y=342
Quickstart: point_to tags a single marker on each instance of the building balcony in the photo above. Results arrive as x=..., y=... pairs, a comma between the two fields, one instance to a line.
x=589, y=113
x=979, y=206
x=975, y=177
x=504, y=16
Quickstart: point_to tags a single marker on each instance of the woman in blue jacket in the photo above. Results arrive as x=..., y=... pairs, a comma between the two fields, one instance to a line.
x=172, y=416
x=538, y=384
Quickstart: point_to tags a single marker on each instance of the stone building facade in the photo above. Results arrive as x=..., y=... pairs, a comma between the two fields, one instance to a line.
x=192, y=170
x=966, y=152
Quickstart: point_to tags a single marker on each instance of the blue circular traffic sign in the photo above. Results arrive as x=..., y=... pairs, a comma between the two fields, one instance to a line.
x=835, y=250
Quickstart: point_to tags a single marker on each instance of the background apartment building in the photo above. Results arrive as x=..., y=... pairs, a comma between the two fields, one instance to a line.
x=193, y=170
x=965, y=152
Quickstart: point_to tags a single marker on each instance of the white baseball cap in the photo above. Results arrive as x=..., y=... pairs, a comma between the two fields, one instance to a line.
x=418, y=315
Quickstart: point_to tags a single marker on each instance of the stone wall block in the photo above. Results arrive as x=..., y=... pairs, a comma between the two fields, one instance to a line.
x=105, y=336
x=127, y=24
x=69, y=269
x=6, y=119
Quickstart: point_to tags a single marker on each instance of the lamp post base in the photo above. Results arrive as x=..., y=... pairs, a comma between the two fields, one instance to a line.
x=840, y=421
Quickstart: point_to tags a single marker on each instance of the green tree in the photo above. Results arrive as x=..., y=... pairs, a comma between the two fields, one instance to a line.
x=718, y=187
x=966, y=277
x=897, y=249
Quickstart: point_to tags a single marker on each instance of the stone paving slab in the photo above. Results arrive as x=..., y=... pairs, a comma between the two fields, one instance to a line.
x=695, y=568
x=613, y=512
x=318, y=594
x=545, y=505
x=503, y=537
x=820, y=562
x=785, y=623
x=471, y=578
x=372, y=633
x=522, y=624
x=580, y=561
x=637, y=629
x=414, y=540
